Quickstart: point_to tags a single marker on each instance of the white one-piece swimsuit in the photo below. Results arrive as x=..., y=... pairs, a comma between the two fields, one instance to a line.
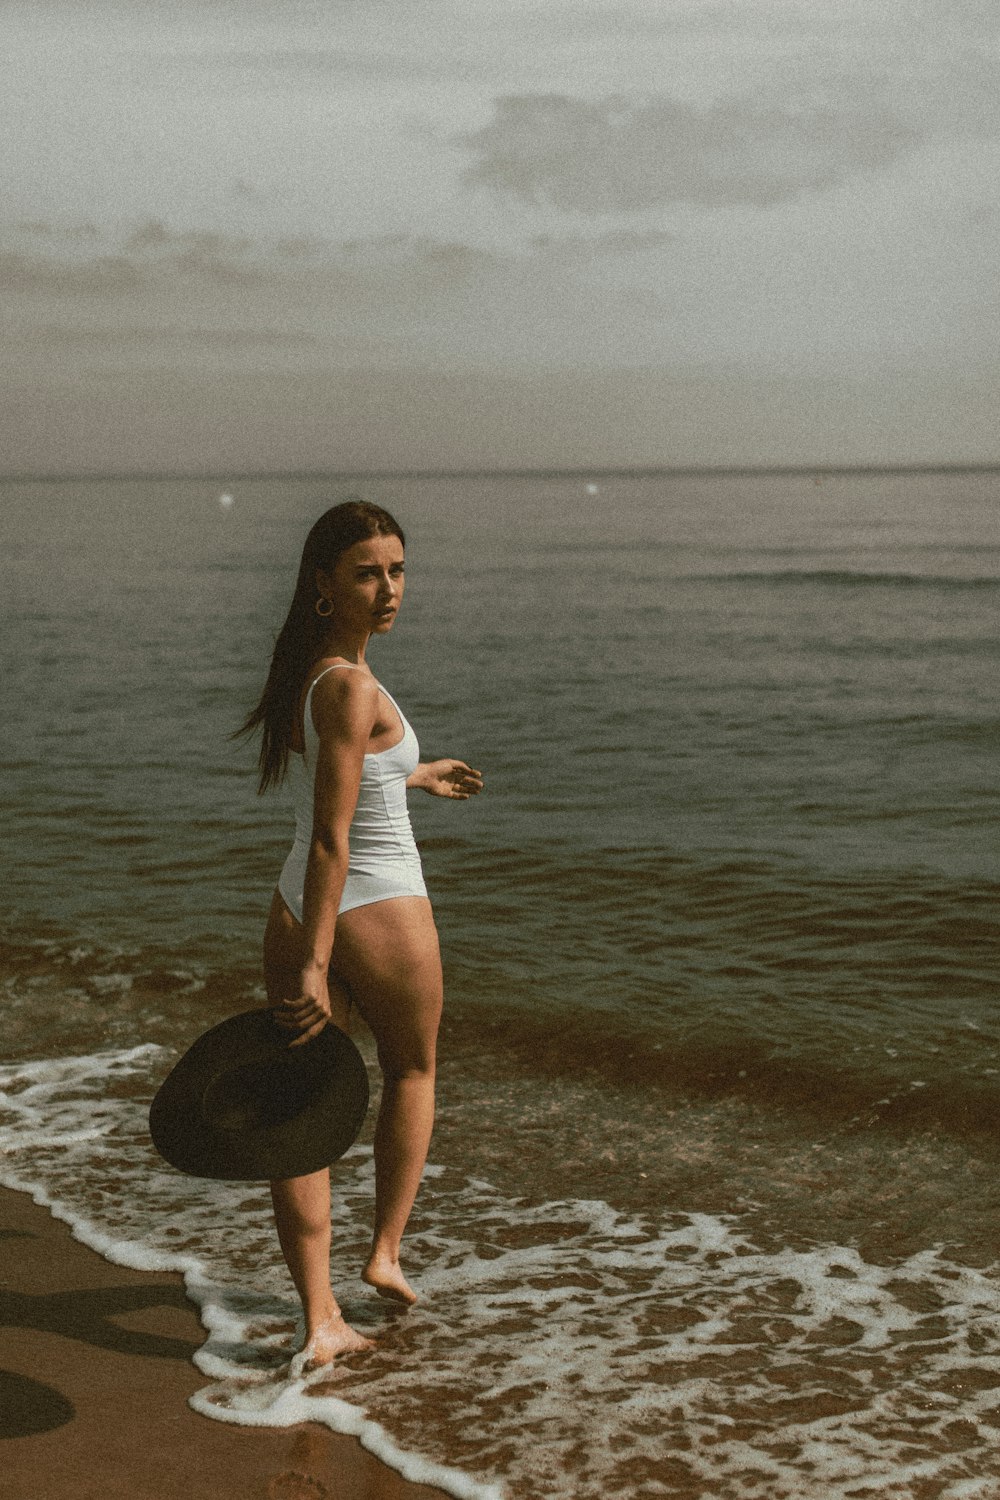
x=384, y=860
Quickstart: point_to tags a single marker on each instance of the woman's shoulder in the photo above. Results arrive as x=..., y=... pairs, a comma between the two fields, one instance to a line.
x=341, y=698
x=328, y=667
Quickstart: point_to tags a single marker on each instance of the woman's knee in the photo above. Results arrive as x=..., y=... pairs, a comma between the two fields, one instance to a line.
x=405, y=1028
x=413, y=1059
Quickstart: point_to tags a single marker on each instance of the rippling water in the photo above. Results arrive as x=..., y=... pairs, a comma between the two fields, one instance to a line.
x=721, y=939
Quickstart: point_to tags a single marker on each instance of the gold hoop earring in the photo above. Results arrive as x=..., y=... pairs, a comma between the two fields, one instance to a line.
x=324, y=614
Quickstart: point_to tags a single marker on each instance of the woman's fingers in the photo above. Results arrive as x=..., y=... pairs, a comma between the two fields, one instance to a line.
x=292, y=1019
x=467, y=781
x=468, y=771
x=307, y=1036
x=300, y=1003
x=293, y=1015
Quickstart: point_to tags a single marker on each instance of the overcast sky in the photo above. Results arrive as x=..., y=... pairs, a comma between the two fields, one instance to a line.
x=243, y=234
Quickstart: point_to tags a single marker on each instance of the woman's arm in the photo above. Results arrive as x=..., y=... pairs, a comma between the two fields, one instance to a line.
x=447, y=778
x=344, y=708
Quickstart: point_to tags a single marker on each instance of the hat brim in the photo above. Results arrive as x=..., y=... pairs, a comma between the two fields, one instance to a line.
x=242, y=1105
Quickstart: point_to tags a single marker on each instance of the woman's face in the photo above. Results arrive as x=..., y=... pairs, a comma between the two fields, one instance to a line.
x=365, y=585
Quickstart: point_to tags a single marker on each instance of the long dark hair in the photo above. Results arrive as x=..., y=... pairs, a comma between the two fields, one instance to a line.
x=300, y=639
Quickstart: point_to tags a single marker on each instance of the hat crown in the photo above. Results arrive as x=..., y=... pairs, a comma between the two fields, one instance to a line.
x=259, y=1094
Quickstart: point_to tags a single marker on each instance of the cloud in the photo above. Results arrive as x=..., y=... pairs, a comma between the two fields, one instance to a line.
x=623, y=155
x=100, y=275
x=76, y=259
x=41, y=229
x=154, y=257
x=380, y=298
x=197, y=254
x=615, y=243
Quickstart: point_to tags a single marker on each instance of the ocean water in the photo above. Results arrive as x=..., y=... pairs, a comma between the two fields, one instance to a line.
x=712, y=1201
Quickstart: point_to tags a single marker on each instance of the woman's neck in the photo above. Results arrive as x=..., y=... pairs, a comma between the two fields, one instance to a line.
x=351, y=648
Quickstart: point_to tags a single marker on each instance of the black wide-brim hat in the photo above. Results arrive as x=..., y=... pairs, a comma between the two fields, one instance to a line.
x=244, y=1106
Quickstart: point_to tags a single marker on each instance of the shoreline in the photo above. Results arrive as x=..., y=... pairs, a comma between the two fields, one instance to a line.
x=95, y=1378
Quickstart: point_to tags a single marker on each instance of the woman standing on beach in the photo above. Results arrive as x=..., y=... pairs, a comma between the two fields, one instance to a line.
x=350, y=922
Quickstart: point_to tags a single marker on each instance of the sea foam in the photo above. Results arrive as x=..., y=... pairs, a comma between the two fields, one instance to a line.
x=561, y=1348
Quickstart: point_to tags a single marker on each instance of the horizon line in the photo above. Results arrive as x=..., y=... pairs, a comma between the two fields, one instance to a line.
x=639, y=471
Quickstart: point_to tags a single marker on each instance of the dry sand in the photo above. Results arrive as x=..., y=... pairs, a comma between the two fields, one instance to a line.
x=95, y=1373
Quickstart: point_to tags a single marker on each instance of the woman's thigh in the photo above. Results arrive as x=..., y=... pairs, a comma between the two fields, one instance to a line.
x=283, y=963
x=388, y=957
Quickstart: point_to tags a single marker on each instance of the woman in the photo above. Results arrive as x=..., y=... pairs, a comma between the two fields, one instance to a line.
x=350, y=922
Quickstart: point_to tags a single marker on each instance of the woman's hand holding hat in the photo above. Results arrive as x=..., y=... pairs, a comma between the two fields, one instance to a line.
x=309, y=1012
x=242, y=1105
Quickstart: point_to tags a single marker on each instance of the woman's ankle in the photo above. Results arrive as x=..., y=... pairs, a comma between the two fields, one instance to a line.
x=321, y=1313
x=385, y=1250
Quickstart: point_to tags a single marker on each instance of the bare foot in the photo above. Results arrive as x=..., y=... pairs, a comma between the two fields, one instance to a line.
x=388, y=1280
x=327, y=1343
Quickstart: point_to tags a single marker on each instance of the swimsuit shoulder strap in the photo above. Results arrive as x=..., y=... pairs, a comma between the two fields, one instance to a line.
x=392, y=700
x=348, y=664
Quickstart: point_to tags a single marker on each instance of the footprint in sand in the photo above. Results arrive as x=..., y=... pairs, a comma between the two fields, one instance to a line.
x=294, y=1485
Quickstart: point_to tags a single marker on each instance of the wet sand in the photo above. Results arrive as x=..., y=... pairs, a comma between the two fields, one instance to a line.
x=95, y=1373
